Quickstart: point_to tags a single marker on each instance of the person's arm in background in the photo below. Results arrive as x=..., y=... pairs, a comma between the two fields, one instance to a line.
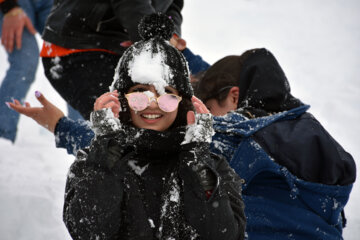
x=73, y=135
x=174, y=12
x=196, y=63
x=69, y=134
x=130, y=12
x=14, y=21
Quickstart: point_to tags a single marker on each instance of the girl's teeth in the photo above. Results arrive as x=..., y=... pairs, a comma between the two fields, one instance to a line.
x=151, y=116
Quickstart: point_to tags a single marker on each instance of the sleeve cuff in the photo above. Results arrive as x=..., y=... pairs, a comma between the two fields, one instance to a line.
x=103, y=122
x=201, y=131
x=61, y=128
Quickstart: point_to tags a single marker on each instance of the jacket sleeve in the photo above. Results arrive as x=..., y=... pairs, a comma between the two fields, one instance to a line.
x=196, y=63
x=222, y=215
x=7, y=5
x=174, y=12
x=130, y=12
x=73, y=135
x=93, y=198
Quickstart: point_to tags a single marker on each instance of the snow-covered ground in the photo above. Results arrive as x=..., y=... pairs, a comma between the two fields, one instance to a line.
x=316, y=42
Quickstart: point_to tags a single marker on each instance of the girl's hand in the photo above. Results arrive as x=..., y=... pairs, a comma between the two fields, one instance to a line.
x=47, y=116
x=199, y=108
x=109, y=100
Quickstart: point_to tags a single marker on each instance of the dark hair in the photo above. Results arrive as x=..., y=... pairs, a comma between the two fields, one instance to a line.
x=124, y=114
x=263, y=86
x=181, y=119
x=220, y=77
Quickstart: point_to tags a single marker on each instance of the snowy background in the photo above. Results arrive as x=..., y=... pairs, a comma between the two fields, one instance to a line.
x=317, y=42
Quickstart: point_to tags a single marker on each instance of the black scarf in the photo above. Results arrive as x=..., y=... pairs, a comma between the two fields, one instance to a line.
x=152, y=146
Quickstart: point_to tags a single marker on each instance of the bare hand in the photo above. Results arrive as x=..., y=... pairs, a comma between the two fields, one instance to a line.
x=199, y=108
x=13, y=26
x=178, y=42
x=109, y=100
x=47, y=116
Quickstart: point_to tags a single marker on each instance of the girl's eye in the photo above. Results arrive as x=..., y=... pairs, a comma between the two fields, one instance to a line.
x=139, y=89
x=169, y=91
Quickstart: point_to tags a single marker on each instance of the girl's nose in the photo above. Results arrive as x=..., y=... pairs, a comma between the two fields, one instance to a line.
x=153, y=103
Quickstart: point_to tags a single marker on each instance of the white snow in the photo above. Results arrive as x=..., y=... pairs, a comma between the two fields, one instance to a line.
x=316, y=43
x=56, y=70
x=149, y=68
x=151, y=222
x=175, y=192
x=199, y=132
x=136, y=168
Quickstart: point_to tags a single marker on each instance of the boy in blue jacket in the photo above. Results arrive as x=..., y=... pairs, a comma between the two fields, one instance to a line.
x=297, y=178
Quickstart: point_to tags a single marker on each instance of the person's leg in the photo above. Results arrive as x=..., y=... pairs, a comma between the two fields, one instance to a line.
x=81, y=77
x=19, y=76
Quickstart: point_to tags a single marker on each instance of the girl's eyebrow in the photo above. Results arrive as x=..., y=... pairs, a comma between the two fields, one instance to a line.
x=168, y=89
x=140, y=87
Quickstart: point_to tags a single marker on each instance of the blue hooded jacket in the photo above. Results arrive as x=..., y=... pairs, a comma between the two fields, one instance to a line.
x=278, y=204
x=297, y=178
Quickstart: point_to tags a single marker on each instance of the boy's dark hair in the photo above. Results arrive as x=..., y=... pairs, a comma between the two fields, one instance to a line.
x=263, y=86
x=220, y=77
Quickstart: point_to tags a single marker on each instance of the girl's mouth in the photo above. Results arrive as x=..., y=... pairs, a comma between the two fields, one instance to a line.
x=151, y=116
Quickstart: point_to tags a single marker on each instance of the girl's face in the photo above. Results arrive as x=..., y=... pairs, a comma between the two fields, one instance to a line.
x=152, y=117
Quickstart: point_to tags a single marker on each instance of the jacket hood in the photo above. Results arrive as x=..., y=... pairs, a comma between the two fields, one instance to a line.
x=263, y=84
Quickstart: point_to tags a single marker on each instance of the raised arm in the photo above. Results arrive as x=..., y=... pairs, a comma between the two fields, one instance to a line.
x=69, y=134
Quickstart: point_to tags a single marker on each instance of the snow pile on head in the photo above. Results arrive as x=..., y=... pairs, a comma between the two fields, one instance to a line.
x=149, y=68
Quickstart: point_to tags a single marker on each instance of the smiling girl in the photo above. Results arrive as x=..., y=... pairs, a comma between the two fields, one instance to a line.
x=148, y=173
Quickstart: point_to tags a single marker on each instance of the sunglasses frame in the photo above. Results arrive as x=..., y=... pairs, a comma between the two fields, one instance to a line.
x=153, y=97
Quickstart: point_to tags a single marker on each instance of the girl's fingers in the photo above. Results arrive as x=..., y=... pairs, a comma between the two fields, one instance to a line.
x=200, y=108
x=190, y=117
x=113, y=105
x=199, y=105
x=105, y=99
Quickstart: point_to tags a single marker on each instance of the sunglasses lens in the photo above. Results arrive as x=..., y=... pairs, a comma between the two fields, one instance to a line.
x=138, y=101
x=168, y=102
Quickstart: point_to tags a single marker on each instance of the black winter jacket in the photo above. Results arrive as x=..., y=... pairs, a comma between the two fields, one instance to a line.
x=143, y=184
x=103, y=24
